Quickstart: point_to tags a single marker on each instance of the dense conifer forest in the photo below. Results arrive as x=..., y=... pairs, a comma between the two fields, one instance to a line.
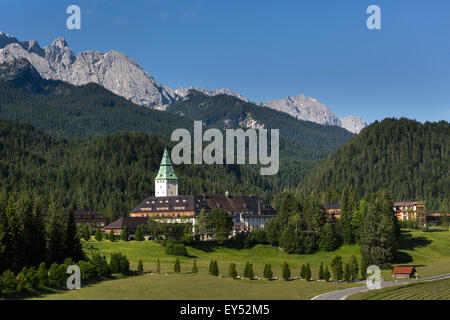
x=409, y=159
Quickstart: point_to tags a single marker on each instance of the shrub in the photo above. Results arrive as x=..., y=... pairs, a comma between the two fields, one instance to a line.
x=321, y=272
x=286, y=271
x=140, y=266
x=119, y=263
x=124, y=264
x=214, y=269
x=176, y=249
x=9, y=282
x=98, y=234
x=124, y=234
x=194, y=267
x=248, y=271
x=177, y=267
x=42, y=275
x=57, y=275
x=347, y=272
x=303, y=272
x=158, y=266
x=101, y=266
x=88, y=270
x=232, y=271
x=308, y=272
x=268, y=274
x=326, y=274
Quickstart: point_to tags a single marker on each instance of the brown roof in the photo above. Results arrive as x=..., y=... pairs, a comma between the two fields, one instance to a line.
x=329, y=206
x=244, y=204
x=130, y=223
x=403, y=270
x=407, y=204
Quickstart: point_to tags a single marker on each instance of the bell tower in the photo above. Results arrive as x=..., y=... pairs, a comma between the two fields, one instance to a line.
x=166, y=181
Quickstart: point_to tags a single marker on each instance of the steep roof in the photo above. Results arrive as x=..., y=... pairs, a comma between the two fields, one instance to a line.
x=403, y=270
x=166, y=171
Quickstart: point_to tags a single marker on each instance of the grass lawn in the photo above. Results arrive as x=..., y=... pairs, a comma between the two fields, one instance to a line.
x=429, y=290
x=428, y=251
x=200, y=286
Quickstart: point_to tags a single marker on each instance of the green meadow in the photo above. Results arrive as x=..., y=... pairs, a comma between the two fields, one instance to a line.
x=429, y=290
x=429, y=251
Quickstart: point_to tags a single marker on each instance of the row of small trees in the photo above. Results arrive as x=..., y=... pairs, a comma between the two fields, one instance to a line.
x=30, y=278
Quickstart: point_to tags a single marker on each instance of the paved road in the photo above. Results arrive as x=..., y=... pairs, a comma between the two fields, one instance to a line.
x=343, y=294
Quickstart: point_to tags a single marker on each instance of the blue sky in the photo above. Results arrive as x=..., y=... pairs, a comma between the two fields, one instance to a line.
x=269, y=49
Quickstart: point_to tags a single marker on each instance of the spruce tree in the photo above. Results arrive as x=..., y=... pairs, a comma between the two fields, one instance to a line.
x=321, y=272
x=73, y=246
x=247, y=270
x=112, y=236
x=268, y=274
x=43, y=275
x=177, y=267
x=308, y=272
x=194, y=267
x=98, y=234
x=232, y=271
x=56, y=242
x=124, y=234
x=140, y=266
x=86, y=233
x=158, y=266
x=303, y=272
x=363, y=270
x=336, y=267
x=211, y=266
x=326, y=274
x=286, y=272
x=214, y=269
x=139, y=234
x=354, y=268
x=251, y=274
x=347, y=272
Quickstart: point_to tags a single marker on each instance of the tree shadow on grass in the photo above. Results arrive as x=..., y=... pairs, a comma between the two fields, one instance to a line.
x=408, y=243
x=205, y=246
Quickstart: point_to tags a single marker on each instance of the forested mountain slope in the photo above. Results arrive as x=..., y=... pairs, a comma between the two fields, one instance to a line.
x=406, y=157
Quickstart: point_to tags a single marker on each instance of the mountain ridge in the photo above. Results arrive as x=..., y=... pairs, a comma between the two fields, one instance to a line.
x=123, y=76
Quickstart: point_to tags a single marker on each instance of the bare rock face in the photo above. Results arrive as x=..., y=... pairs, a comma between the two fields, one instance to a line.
x=112, y=70
x=305, y=108
x=353, y=124
x=309, y=109
x=182, y=92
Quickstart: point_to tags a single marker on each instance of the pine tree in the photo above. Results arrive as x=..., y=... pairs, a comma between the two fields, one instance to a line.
x=112, y=236
x=328, y=238
x=354, y=268
x=247, y=270
x=86, y=233
x=124, y=234
x=348, y=205
x=73, y=246
x=336, y=267
x=98, y=234
x=177, y=267
x=286, y=271
x=326, y=274
x=347, y=272
x=268, y=274
x=308, y=273
x=158, y=266
x=321, y=272
x=140, y=266
x=232, y=271
x=194, y=267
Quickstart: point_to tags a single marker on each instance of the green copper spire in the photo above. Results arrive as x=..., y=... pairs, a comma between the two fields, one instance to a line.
x=166, y=171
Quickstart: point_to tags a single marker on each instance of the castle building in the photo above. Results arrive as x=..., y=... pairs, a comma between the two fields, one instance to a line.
x=166, y=181
x=248, y=212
